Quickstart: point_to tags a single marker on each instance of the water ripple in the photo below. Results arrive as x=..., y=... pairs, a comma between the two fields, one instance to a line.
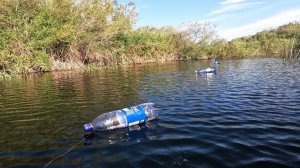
x=239, y=117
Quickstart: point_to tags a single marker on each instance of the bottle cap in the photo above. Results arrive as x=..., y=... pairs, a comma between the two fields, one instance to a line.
x=88, y=128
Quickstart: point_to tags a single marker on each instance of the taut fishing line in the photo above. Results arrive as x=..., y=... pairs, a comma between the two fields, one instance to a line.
x=67, y=151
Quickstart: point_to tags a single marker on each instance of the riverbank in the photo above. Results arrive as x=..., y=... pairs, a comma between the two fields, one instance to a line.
x=67, y=35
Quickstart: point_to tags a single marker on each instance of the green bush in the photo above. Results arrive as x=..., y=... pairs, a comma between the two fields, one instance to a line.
x=36, y=34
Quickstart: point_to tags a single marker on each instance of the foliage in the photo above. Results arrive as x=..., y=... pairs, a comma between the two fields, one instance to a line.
x=281, y=42
x=45, y=35
x=201, y=33
x=37, y=33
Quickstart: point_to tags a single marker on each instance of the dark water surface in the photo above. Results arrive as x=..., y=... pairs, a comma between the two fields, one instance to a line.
x=247, y=115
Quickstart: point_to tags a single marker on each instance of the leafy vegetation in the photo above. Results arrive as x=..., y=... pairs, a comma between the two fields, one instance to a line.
x=47, y=35
x=281, y=42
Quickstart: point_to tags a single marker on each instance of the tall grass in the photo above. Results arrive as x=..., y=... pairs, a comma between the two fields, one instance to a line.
x=47, y=35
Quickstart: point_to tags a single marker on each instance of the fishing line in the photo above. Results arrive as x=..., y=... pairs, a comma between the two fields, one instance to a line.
x=67, y=151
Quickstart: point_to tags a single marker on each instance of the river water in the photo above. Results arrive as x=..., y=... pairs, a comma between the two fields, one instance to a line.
x=245, y=115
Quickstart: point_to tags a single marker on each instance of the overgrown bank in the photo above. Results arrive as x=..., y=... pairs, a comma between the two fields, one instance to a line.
x=46, y=35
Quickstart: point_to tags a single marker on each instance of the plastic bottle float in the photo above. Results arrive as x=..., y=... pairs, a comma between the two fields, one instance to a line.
x=123, y=118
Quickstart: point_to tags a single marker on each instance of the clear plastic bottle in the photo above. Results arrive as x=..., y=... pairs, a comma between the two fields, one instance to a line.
x=123, y=118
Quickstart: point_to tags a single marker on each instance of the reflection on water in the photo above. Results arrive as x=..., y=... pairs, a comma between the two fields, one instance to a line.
x=206, y=76
x=133, y=134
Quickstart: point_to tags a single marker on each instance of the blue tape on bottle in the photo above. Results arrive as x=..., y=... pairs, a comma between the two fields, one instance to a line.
x=135, y=115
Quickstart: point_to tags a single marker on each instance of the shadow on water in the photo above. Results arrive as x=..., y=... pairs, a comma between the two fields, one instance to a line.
x=133, y=134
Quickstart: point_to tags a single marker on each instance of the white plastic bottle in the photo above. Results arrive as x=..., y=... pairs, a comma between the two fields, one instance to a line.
x=123, y=118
